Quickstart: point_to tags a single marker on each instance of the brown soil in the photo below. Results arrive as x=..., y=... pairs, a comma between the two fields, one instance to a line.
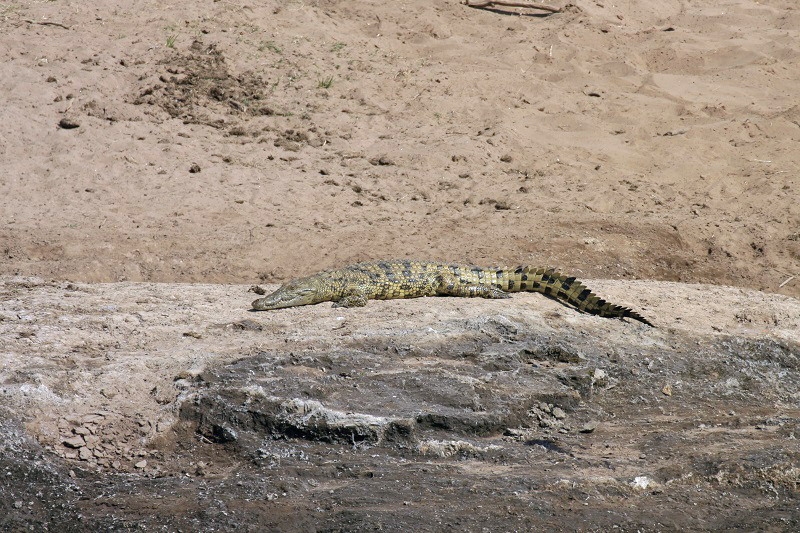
x=238, y=143
x=227, y=142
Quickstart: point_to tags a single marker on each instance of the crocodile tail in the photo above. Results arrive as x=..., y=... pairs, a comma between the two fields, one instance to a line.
x=551, y=283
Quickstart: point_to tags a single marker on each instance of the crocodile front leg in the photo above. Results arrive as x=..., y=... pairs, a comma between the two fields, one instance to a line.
x=354, y=298
x=449, y=285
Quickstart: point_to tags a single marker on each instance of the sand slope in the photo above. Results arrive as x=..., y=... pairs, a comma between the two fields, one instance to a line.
x=639, y=139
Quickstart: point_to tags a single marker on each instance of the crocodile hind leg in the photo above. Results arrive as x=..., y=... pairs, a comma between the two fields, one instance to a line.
x=449, y=285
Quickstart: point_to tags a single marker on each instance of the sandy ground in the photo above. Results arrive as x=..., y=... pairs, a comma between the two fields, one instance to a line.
x=156, y=159
x=651, y=140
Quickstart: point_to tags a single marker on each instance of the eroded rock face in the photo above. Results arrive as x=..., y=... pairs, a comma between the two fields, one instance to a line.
x=377, y=398
x=172, y=407
x=37, y=491
x=511, y=429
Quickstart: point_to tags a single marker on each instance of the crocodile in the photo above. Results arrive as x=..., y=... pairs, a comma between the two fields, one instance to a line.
x=353, y=285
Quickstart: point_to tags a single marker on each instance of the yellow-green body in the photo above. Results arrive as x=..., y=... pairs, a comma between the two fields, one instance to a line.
x=353, y=285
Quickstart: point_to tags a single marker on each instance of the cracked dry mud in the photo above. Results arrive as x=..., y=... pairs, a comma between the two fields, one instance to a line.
x=172, y=407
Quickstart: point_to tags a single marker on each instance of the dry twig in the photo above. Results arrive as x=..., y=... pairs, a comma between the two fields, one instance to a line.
x=46, y=23
x=530, y=5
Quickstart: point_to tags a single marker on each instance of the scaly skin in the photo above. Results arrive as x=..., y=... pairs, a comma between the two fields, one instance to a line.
x=353, y=285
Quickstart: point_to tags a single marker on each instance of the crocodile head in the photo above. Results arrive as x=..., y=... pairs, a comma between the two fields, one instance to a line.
x=294, y=293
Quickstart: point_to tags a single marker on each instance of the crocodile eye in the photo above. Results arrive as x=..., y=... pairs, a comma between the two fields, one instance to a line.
x=293, y=293
x=304, y=291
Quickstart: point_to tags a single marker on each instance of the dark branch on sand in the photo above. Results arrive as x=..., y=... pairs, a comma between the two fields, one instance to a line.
x=46, y=23
x=529, y=5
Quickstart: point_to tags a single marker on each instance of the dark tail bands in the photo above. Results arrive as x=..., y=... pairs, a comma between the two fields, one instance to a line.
x=556, y=285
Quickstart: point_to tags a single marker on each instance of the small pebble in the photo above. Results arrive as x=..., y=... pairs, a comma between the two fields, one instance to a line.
x=382, y=161
x=600, y=377
x=68, y=123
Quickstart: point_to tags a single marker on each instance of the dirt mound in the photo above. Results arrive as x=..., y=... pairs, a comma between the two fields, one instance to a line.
x=199, y=83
